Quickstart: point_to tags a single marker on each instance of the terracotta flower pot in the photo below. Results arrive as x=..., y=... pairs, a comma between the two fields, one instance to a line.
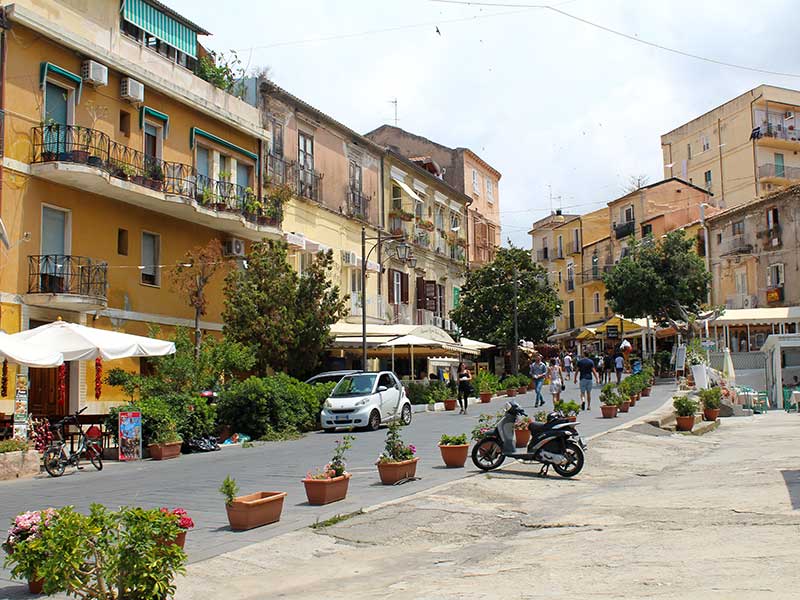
x=454, y=455
x=637, y=398
x=255, y=510
x=325, y=491
x=646, y=392
x=632, y=400
x=511, y=393
x=522, y=390
x=165, y=451
x=486, y=397
x=572, y=418
x=450, y=404
x=684, y=423
x=624, y=407
x=609, y=412
x=523, y=436
x=710, y=414
x=392, y=472
x=35, y=586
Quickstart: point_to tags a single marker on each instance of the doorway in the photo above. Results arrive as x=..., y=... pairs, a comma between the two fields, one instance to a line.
x=43, y=389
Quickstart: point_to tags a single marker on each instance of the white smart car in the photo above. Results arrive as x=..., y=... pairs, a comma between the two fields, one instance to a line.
x=366, y=399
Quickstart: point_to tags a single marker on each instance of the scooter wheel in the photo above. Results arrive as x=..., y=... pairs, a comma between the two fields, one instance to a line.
x=574, y=454
x=487, y=454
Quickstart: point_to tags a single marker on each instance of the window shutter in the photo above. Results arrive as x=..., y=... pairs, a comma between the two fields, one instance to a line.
x=390, y=286
x=404, y=288
x=430, y=295
x=420, y=292
x=769, y=277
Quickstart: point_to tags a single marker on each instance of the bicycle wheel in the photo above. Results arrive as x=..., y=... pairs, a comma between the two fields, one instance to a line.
x=53, y=463
x=95, y=456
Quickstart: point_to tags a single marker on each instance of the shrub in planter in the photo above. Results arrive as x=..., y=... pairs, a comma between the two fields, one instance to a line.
x=250, y=510
x=165, y=443
x=397, y=461
x=330, y=483
x=454, y=449
x=610, y=400
x=522, y=434
x=685, y=407
x=710, y=399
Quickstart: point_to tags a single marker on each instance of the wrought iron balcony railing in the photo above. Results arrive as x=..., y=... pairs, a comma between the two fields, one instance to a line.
x=623, y=230
x=357, y=205
x=67, y=274
x=542, y=255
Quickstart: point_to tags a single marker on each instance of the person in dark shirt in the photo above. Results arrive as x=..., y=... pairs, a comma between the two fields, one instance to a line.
x=588, y=374
x=608, y=367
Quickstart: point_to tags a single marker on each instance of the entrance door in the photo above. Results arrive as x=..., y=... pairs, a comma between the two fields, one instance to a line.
x=43, y=389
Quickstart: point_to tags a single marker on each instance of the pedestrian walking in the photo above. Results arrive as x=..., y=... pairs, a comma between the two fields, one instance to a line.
x=556, y=381
x=568, y=365
x=587, y=372
x=619, y=365
x=538, y=372
x=464, y=387
x=608, y=367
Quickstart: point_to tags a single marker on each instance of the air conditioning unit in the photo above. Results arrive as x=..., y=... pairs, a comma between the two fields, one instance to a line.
x=131, y=90
x=749, y=302
x=448, y=324
x=94, y=73
x=349, y=258
x=234, y=247
x=438, y=321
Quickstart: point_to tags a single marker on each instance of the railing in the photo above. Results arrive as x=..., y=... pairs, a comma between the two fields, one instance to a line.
x=457, y=253
x=423, y=317
x=81, y=145
x=374, y=306
x=67, y=274
x=570, y=285
x=542, y=255
x=422, y=237
x=737, y=244
x=780, y=132
x=574, y=247
x=400, y=314
x=278, y=169
x=309, y=183
x=623, y=230
x=357, y=205
x=596, y=273
x=771, y=236
x=778, y=171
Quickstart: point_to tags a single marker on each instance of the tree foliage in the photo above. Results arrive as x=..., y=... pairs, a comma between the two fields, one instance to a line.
x=663, y=280
x=284, y=318
x=487, y=299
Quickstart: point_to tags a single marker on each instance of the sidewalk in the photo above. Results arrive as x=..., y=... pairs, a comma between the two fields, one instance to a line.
x=652, y=515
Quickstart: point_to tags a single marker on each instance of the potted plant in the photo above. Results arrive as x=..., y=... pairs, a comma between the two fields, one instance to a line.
x=685, y=407
x=330, y=483
x=626, y=394
x=250, y=510
x=610, y=400
x=454, y=449
x=397, y=461
x=648, y=375
x=711, y=400
x=165, y=443
x=22, y=550
x=185, y=523
x=521, y=432
x=570, y=410
x=511, y=386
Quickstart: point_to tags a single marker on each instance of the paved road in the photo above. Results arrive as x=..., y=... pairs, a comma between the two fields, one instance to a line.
x=192, y=481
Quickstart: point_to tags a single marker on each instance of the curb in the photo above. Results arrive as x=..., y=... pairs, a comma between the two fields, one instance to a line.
x=637, y=421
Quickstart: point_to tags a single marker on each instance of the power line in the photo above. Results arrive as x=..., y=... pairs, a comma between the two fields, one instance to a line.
x=622, y=34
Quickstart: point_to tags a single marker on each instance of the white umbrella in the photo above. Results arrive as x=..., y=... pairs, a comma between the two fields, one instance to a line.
x=28, y=354
x=411, y=341
x=77, y=342
x=727, y=367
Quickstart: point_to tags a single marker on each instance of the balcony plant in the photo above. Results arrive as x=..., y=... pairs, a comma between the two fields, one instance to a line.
x=610, y=399
x=165, y=443
x=425, y=224
x=522, y=434
x=398, y=460
x=402, y=215
x=685, y=407
x=330, y=483
x=184, y=522
x=154, y=176
x=711, y=400
x=250, y=510
x=454, y=449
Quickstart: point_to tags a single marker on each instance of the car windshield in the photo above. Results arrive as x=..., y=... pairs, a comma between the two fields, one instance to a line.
x=354, y=385
x=324, y=379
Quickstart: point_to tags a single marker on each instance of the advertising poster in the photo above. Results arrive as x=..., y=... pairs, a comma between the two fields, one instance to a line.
x=21, y=408
x=130, y=435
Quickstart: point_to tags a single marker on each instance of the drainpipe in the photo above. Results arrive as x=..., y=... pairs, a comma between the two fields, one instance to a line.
x=721, y=171
x=755, y=156
x=707, y=249
x=3, y=52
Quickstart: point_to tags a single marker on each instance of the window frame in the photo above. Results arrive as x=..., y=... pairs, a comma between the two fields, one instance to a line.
x=70, y=99
x=489, y=184
x=67, y=226
x=159, y=127
x=157, y=258
x=476, y=184
x=780, y=268
x=737, y=227
x=596, y=303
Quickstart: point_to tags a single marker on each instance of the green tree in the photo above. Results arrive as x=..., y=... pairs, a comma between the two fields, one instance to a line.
x=486, y=304
x=282, y=317
x=665, y=279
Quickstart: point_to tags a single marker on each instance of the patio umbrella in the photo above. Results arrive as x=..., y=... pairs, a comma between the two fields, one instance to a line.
x=727, y=367
x=28, y=354
x=78, y=342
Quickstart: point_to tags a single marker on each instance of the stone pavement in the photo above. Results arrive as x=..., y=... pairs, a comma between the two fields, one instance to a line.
x=653, y=515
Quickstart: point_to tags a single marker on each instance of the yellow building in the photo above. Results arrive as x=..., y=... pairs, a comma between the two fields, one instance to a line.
x=118, y=159
x=741, y=150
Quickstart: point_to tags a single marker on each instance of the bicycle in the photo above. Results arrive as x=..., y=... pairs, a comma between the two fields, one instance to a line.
x=56, y=457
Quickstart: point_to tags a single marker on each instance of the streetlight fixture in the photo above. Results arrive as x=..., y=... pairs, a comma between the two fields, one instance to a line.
x=403, y=255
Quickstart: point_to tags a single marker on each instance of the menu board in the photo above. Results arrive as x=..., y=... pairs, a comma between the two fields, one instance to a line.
x=130, y=435
x=21, y=408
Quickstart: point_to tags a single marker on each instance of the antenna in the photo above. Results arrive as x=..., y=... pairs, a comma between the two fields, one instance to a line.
x=395, y=111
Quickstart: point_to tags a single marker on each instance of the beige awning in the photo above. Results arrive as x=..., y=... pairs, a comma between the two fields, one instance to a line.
x=407, y=189
x=758, y=316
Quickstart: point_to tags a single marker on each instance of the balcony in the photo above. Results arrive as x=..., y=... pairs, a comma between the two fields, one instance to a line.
x=375, y=307
x=737, y=244
x=400, y=314
x=570, y=285
x=777, y=135
x=357, y=205
x=424, y=317
x=67, y=282
x=542, y=255
x=308, y=183
x=771, y=237
x=778, y=174
x=422, y=238
x=89, y=160
x=574, y=247
x=623, y=230
x=596, y=273
x=279, y=171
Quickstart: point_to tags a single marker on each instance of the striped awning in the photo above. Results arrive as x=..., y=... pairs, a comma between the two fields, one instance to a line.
x=155, y=21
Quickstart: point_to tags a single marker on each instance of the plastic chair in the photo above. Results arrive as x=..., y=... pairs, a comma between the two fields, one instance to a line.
x=761, y=403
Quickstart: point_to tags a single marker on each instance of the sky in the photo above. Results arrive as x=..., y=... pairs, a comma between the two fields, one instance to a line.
x=561, y=108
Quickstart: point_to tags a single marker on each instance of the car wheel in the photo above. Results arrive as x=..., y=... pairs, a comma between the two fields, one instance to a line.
x=374, y=420
x=405, y=414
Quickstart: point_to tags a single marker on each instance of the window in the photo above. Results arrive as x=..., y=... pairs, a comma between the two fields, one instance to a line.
x=244, y=175
x=125, y=122
x=397, y=197
x=355, y=285
x=780, y=170
x=738, y=228
x=489, y=191
x=419, y=207
x=775, y=276
x=689, y=151
x=560, y=247
x=224, y=164
x=397, y=286
x=596, y=303
x=772, y=218
x=576, y=240
x=439, y=224
x=476, y=184
x=277, y=138
x=122, y=242
x=740, y=279
x=719, y=238
x=355, y=177
x=455, y=222
x=572, y=314
x=305, y=151
x=627, y=214
x=707, y=177
x=153, y=140
x=55, y=231
x=386, y=381
x=706, y=143
x=151, y=251
x=647, y=229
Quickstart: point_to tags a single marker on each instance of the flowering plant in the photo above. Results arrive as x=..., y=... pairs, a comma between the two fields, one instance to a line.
x=27, y=526
x=522, y=423
x=486, y=423
x=396, y=450
x=336, y=466
x=184, y=520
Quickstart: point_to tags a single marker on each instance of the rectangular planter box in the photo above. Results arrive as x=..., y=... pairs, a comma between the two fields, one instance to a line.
x=255, y=510
x=165, y=451
x=19, y=465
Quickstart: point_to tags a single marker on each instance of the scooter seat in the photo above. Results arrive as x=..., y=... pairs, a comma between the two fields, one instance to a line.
x=533, y=426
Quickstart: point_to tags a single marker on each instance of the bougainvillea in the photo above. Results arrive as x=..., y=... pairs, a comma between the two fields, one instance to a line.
x=98, y=377
x=62, y=386
x=4, y=380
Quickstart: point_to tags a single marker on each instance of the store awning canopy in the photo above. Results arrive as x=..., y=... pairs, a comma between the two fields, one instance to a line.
x=623, y=325
x=407, y=189
x=78, y=342
x=587, y=333
x=28, y=354
x=414, y=341
x=475, y=344
x=758, y=316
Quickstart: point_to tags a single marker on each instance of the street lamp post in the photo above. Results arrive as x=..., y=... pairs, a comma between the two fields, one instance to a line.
x=403, y=254
x=515, y=352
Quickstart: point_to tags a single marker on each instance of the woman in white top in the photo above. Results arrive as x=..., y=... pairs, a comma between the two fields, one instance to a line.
x=555, y=374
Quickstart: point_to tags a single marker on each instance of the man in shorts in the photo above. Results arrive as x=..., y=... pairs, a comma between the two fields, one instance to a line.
x=585, y=369
x=568, y=365
x=619, y=365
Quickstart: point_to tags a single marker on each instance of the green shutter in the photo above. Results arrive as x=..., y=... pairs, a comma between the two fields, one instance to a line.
x=149, y=18
x=456, y=297
x=46, y=67
x=152, y=113
x=196, y=132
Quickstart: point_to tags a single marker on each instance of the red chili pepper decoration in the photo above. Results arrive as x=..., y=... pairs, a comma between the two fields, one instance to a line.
x=4, y=380
x=62, y=386
x=98, y=377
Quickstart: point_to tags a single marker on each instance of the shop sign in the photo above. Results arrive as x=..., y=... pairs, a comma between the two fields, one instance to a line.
x=774, y=294
x=21, y=408
x=612, y=332
x=130, y=435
